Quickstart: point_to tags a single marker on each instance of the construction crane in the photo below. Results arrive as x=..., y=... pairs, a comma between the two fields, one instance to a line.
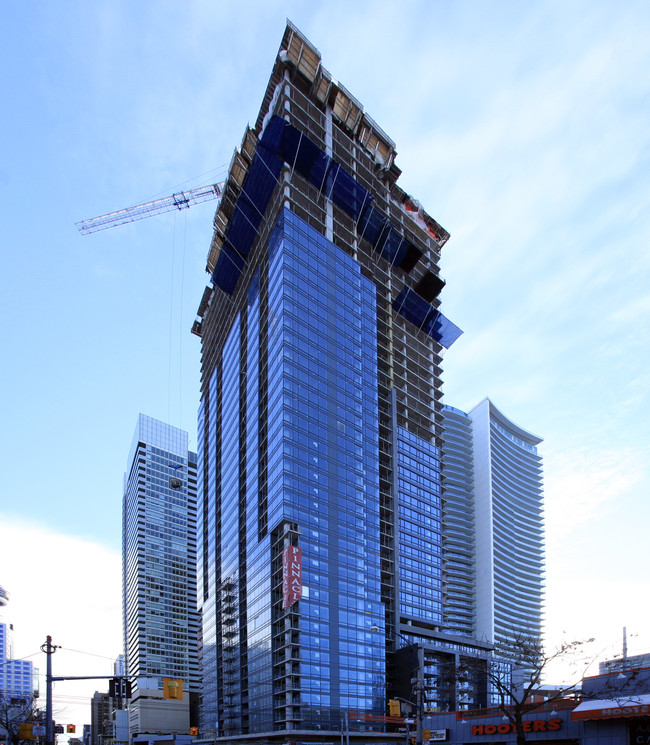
x=180, y=201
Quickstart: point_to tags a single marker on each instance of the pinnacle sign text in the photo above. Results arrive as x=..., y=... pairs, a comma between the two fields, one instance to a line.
x=291, y=576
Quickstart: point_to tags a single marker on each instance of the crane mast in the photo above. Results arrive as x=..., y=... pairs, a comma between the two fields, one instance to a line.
x=182, y=200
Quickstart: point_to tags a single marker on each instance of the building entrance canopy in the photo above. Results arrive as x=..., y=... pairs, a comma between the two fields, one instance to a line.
x=629, y=706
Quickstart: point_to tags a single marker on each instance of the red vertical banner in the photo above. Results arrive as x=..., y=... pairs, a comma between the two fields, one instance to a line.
x=291, y=576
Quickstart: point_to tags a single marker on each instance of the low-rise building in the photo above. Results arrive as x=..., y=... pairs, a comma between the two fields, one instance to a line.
x=151, y=713
x=612, y=709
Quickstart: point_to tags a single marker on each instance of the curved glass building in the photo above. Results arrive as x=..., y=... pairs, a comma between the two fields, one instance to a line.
x=493, y=532
x=459, y=534
x=509, y=526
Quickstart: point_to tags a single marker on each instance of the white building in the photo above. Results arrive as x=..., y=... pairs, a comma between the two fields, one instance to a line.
x=493, y=526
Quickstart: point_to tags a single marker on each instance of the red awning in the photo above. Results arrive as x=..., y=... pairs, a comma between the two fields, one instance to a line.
x=630, y=706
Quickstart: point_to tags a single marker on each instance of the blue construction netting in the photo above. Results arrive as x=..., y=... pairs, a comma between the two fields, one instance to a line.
x=410, y=258
x=228, y=269
x=271, y=137
x=440, y=328
x=242, y=229
x=306, y=157
x=392, y=245
x=371, y=224
x=410, y=305
x=416, y=310
x=430, y=286
x=262, y=178
x=345, y=192
x=280, y=143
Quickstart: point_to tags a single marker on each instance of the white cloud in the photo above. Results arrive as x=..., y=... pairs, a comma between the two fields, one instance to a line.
x=69, y=588
x=580, y=481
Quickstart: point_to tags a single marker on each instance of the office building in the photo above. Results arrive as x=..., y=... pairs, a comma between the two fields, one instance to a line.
x=159, y=568
x=493, y=531
x=319, y=516
x=109, y=717
x=101, y=707
x=119, y=668
x=18, y=678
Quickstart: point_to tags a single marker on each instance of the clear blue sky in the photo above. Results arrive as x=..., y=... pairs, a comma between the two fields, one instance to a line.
x=521, y=127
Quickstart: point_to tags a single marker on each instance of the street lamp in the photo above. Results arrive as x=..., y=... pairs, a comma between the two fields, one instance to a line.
x=418, y=686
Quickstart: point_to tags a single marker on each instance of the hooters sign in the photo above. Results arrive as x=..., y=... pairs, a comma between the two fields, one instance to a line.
x=291, y=576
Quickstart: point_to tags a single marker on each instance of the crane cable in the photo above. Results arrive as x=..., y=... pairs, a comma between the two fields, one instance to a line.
x=180, y=328
x=172, y=293
x=171, y=317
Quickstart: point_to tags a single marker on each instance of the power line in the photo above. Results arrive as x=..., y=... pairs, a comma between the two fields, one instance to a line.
x=18, y=659
x=90, y=654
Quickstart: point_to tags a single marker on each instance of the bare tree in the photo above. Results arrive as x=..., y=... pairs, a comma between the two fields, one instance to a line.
x=14, y=711
x=514, y=674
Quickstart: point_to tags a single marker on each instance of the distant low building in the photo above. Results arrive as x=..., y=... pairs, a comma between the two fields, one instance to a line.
x=18, y=678
x=104, y=713
x=621, y=664
x=613, y=709
x=150, y=713
x=100, y=714
x=120, y=726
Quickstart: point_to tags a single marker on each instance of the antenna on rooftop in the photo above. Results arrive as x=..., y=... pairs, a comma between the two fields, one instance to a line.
x=182, y=200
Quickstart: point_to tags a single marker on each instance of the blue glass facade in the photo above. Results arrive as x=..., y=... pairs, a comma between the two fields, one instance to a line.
x=420, y=528
x=319, y=428
x=323, y=463
x=16, y=676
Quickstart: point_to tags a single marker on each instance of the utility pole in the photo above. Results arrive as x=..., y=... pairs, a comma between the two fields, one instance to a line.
x=49, y=650
x=417, y=683
x=419, y=693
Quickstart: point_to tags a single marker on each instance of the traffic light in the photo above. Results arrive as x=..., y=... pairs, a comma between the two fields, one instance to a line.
x=119, y=688
x=70, y=729
x=173, y=688
x=426, y=734
x=394, y=707
x=194, y=731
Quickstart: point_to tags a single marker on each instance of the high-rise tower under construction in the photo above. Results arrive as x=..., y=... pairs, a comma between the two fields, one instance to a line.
x=320, y=420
